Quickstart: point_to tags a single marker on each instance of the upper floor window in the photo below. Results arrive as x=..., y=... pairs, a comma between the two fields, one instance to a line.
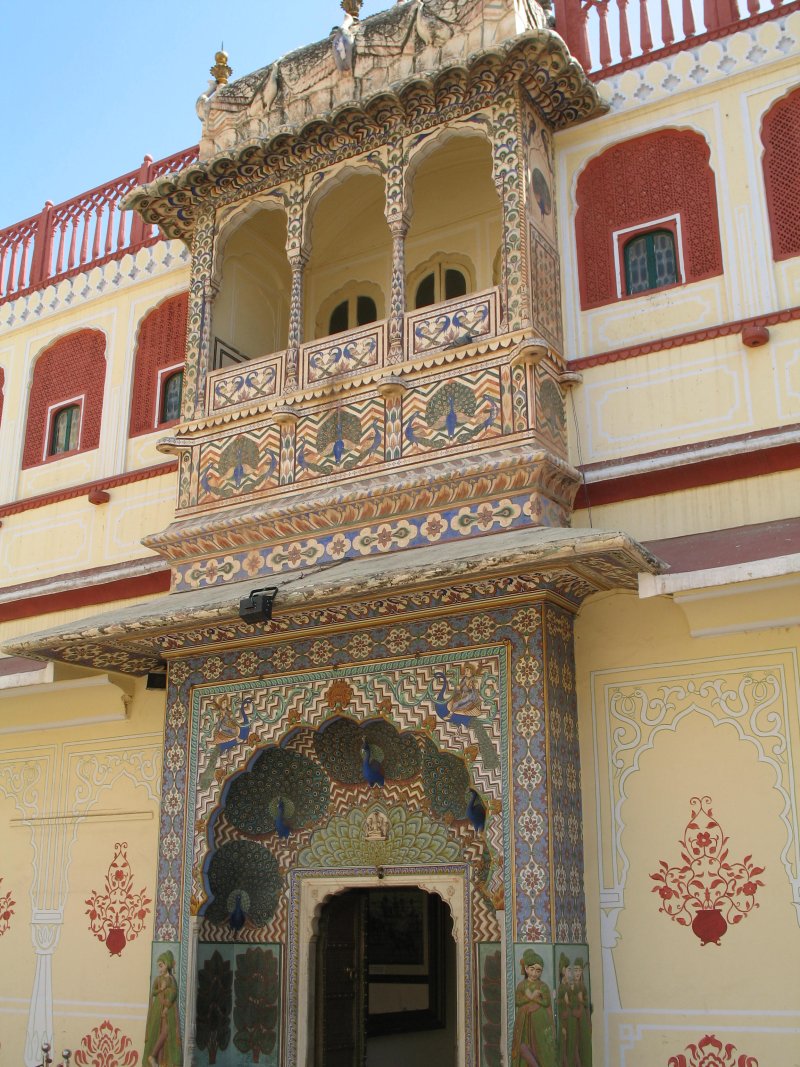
x=65, y=405
x=440, y=284
x=159, y=356
x=780, y=134
x=355, y=311
x=171, y=394
x=650, y=261
x=65, y=430
x=358, y=303
x=659, y=185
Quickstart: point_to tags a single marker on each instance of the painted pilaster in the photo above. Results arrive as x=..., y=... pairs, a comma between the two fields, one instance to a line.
x=507, y=173
x=392, y=390
x=287, y=423
x=198, y=333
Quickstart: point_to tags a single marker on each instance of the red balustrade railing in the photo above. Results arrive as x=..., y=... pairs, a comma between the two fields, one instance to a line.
x=605, y=34
x=84, y=232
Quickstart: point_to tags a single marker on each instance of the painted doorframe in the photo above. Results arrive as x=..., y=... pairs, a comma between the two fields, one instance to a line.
x=310, y=889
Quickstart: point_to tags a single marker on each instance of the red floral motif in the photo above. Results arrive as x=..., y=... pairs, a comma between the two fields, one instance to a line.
x=6, y=911
x=706, y=892
x=710, y=1052
x=117, y=916
x=105, y=1046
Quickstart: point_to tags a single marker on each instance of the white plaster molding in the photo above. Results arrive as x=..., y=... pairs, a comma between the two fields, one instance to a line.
x=716, y=582
x=699, y=453
x=64, y=583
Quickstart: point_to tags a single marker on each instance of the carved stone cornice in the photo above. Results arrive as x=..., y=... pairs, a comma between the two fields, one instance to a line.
x=536, y=60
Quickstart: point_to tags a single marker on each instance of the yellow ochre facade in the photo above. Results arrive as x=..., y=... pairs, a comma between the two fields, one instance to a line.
x=400, y=549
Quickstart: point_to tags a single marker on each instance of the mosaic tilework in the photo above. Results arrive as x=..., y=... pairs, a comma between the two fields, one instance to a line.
x=409, y=648
x=456, y=323
x=339, y=438
x=462, y=409
x=236, y=465
x=336, y=358
x=569, y=910
x=244, y=385
x=449, y=524
x=306, y=730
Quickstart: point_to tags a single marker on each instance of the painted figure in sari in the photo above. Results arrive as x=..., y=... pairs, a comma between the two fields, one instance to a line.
x=534, y=1041
x=575, y=1024
x=162, y=1041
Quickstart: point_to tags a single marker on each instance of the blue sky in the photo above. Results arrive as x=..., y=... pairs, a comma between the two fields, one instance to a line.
x=91, y=86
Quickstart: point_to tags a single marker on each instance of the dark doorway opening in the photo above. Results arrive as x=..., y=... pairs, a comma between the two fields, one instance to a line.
x=385, y=989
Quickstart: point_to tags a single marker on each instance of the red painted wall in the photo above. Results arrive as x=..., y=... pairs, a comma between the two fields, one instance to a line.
x=780, y=134
x=634, y=183
x=72, y=366
x=162, y=343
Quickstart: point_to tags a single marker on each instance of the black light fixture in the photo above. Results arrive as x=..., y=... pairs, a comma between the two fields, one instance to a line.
x=258, y=606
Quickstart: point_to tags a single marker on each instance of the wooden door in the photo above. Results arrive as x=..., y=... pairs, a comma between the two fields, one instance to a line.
x=341, y=983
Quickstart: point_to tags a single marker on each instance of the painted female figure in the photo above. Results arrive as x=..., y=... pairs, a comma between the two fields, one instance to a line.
x=534, y=1041
x=162, y=1041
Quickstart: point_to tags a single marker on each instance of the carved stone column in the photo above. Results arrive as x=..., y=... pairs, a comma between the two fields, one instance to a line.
x=397, y=304
x=397, y=217
x=297, y=254
x=198, y=334
x=45, y=931
x=296, y=308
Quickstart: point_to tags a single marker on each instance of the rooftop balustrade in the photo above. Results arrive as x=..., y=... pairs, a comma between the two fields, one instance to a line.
x=84, y=232
x=606, y=35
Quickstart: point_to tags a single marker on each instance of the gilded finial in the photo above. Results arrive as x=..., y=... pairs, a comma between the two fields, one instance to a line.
x=352, y=7
x=221, y=72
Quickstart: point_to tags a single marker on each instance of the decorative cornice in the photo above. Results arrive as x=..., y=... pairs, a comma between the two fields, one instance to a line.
x=537, y=60
x=87, y=488
x=506, y=566
x=723, y=329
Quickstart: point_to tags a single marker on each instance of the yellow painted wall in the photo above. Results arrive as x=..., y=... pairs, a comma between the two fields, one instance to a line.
x=665, y=718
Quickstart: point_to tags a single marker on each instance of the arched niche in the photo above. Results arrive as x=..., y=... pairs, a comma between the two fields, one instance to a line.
x=455, y=209
x=251, y=309
x=348, y=239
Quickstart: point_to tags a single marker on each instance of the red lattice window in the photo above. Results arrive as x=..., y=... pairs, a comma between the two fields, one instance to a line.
x=74, y=366
x=780, y=135
x=161, y=345
x=630, y=185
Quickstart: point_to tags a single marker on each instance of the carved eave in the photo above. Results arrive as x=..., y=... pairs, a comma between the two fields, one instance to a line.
x=537, y=60
x=568, y=564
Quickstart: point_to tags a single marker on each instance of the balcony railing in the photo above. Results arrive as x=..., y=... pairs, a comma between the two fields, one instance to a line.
x=605, y=34
x=356, y=352
x=90, y=229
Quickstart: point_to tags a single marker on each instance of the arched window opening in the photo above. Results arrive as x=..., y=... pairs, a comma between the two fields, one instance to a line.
x=780, y=134
x=171, y=394
x=65, y=430
x=355, y=311
x=443, y=283
x=660, y=181
x=650, y=262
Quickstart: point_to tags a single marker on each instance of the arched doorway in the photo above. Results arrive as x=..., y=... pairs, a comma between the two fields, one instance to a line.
x=385, y=979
